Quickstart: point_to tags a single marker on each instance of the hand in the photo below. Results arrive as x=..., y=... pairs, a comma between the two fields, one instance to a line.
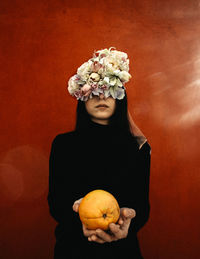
x=117, y=231
x=76, y=204
x=86, y=232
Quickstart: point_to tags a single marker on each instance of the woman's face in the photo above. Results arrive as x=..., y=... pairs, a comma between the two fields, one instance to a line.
x=100, y=108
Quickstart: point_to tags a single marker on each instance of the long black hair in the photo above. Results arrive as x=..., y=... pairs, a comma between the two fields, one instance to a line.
x=119, y=119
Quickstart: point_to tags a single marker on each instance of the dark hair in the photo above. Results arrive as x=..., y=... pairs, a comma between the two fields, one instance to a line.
x=119, y=120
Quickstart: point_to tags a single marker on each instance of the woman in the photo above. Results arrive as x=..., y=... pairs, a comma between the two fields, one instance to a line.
x=101, y=153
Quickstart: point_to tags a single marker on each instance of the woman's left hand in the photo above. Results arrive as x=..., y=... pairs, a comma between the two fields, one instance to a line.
x=117, y=231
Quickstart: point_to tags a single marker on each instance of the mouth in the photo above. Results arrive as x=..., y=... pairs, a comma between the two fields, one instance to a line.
x=101, y=106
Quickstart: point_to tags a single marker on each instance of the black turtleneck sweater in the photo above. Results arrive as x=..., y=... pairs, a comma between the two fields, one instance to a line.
x=98, y=157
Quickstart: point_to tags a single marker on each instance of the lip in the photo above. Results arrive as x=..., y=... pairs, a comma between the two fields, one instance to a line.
x=101, y=106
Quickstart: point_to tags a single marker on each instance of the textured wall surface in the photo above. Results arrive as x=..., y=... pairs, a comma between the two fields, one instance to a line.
x=42, y=43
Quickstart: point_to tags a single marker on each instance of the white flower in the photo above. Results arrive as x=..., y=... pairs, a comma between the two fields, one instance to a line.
x=72, y=85
x=119, y=83
x=106, y=93
x=119, y=93
x=84, y=71
x=97, y=91
x=112, y=92
x=111, y=63
x=113, y=81
x=106, y=80
x=124, y=65
x=106, y=72
x=95, y=77
x=124, y=76
x=119, y=54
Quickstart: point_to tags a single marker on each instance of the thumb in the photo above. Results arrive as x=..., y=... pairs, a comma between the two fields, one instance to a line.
x=76, y=205
x=129, y=213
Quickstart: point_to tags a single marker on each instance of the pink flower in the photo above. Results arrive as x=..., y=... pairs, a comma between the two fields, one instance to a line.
x=103, y=55
x=77, y=94
x=94, y=86
x=86, y=90
x=104, y=87
x=96, y=66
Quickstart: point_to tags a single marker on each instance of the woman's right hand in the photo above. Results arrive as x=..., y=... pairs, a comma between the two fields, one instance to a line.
x=87, y=232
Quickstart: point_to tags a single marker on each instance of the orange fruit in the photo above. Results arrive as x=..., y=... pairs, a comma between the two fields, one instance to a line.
x=98, y=209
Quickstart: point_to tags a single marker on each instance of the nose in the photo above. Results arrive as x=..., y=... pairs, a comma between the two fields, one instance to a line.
x=101, y=96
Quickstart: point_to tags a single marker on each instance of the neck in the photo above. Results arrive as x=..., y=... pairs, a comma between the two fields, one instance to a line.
x=100, y=121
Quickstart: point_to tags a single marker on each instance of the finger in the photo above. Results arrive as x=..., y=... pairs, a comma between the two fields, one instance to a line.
x=118, y=231
x=88, y=232
x=76, y=204
x=104, y=236
x=115, y=229
x=75, y=207
x=125, y=226
x=96, y=239
x=120, y=221
x=128, y=213
x=120, y=216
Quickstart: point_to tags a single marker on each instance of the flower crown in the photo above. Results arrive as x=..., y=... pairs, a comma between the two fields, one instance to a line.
x=106, y=72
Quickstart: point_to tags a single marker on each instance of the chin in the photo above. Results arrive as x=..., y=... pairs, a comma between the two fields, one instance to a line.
x=103, y=115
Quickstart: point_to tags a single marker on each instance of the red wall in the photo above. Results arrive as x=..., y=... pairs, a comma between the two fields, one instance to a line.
x=42, y=45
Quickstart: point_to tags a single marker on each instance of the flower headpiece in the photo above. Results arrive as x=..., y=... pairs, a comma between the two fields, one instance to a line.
x=106, y=72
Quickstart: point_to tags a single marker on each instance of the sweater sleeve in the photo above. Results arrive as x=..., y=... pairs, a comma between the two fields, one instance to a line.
x=56, y=191
x=60, y=205
x=141, y=199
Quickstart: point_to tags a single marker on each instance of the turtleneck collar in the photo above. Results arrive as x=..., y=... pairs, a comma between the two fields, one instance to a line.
x=98, y=125
x=93, y=132
x=94, y=128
